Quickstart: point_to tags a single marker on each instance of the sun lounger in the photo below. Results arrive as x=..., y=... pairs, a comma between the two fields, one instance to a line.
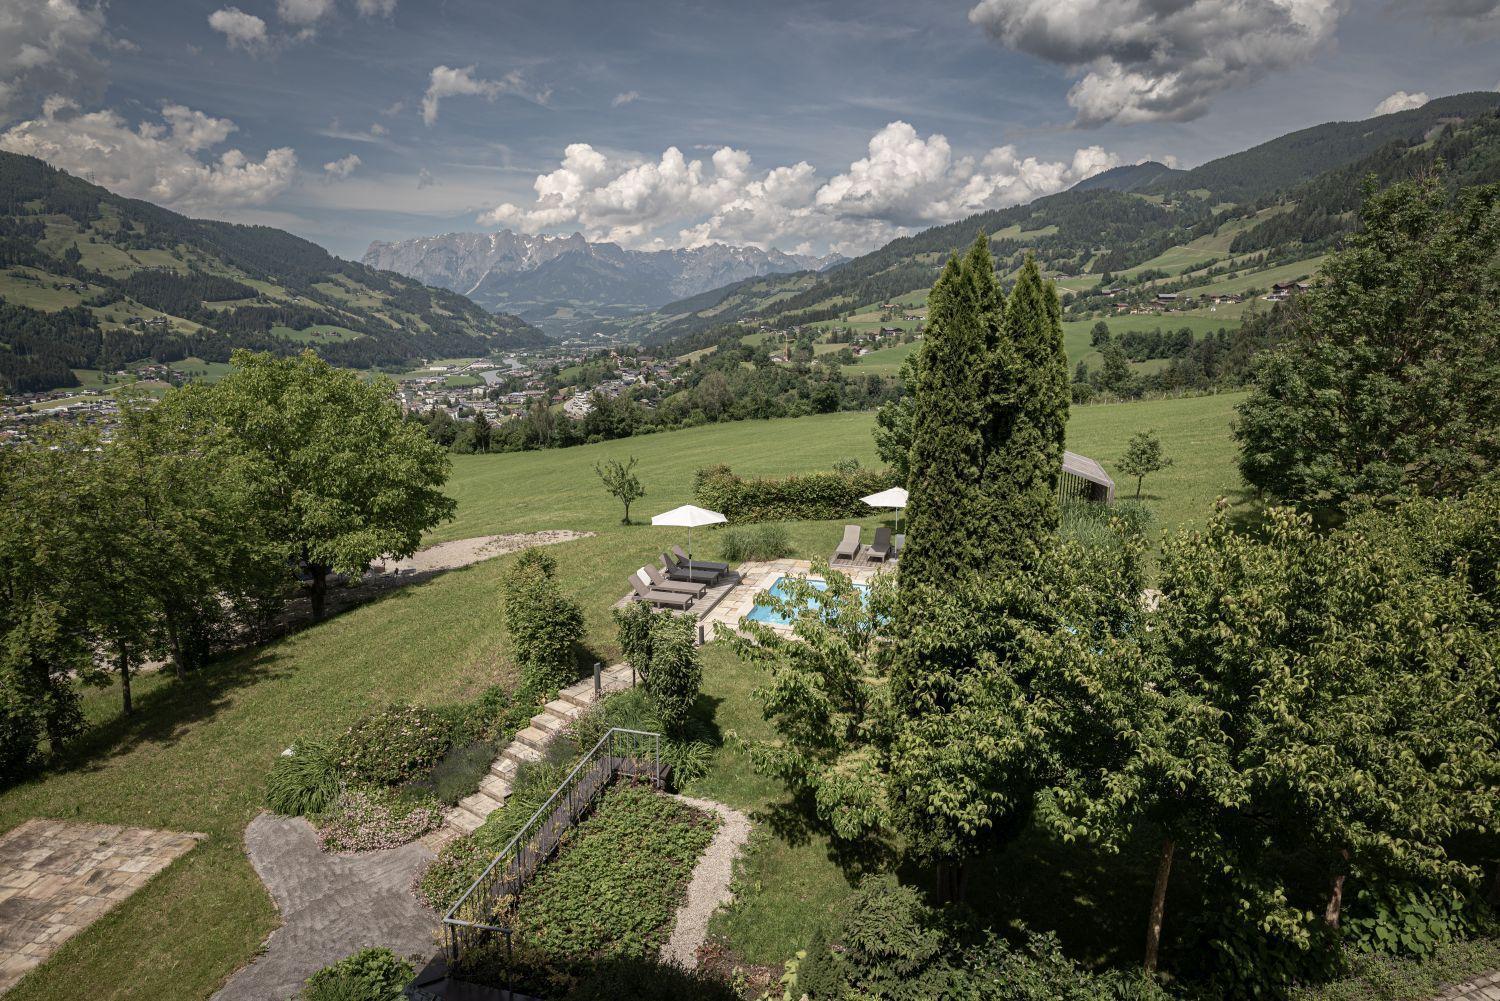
x=666, y=599
x=658, y=580
x=676, y=571
x=849, y=548
x=682, y=560
x=880, y=549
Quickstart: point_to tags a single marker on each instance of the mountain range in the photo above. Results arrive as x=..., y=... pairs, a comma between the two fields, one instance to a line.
x=565, y=283
x=92, y=280
x=1288, y=199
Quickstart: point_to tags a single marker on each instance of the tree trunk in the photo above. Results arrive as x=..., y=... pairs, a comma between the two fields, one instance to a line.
x=950, y=882
x=1336, y=894
x=1138, y=481
x=319, y=590
x=1158, y=904
x=124, y=661
x=174, y=639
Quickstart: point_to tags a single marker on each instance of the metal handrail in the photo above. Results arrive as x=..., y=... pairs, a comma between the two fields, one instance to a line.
x=470, y=911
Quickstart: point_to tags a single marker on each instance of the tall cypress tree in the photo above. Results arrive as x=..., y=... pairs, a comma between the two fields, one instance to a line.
x=947, y=448
x=1027, y=437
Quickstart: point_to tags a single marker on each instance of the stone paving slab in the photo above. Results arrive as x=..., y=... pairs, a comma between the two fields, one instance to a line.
x=1485, y=987
x=58, y=877
x=331, y=906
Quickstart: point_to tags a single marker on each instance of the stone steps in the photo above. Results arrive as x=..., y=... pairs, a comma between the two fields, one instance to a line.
x=528, y=746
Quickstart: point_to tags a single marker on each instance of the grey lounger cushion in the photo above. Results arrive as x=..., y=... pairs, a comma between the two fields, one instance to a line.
x=682, y=559
x=849, y=547
x=656, y=579
x=656, y=597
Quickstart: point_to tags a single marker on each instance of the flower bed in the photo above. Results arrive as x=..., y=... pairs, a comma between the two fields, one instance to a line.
x=611, y=892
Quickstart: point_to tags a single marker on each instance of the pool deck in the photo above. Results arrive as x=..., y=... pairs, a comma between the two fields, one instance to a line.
x=758, y=577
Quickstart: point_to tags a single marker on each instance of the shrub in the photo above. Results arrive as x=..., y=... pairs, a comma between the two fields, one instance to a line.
x=633, y=627
x=892, y=945
x=363, y=820
x=765, y=541
x=675, y=675
x=392, y=745
x=1402, y=919
x=545, y=627
x=809, y=497
x=20, y=733
x=367, y=975
x=457, y=773
x=305, y=782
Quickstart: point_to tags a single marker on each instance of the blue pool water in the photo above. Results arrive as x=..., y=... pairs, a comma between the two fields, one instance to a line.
x=769, y=615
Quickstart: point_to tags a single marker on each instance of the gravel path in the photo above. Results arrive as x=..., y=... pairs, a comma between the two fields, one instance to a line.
x=709, y=888
x=463, y=552
x=331, y=905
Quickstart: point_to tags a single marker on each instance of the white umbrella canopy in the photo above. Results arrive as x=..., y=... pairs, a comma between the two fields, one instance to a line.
x=690, y=517
x=894, y=497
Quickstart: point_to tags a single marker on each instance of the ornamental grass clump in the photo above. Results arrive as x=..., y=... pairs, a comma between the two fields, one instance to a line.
x=305, y=782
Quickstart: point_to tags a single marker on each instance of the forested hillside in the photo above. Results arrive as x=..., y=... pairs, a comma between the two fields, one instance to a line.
x=91, y=280
x=1283, y=200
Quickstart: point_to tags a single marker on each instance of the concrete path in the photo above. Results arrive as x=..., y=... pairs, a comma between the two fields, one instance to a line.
x=709, y=888
x=331, y=906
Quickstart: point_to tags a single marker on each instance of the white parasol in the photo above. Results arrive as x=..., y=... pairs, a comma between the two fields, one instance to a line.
x=688, y=517
x=894, y=497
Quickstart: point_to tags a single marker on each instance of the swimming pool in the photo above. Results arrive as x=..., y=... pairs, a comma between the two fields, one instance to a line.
x=770, y=616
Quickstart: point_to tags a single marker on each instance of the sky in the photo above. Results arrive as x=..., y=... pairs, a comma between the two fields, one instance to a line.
x=811, y=126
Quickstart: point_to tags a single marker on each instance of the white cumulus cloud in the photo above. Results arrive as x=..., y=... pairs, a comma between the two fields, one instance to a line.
x=624, y=98
x=904, y=182
x=49, y=47
x=342, y=167
x=240, y=30
x=156, y=160
x=1401, y=101
x=1159, y=60
x=303, y=12
x=446, y=81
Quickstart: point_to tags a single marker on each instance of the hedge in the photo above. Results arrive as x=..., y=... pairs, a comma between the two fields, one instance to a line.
x=810, y=497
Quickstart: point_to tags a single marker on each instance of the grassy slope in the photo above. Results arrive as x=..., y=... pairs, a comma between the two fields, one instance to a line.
x=195, y=755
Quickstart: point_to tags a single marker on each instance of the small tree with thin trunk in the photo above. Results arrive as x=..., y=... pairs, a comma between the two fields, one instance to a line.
x=620, y=481
x=1143, y=456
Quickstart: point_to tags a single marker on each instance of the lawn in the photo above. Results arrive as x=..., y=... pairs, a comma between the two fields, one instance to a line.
x=195, y=755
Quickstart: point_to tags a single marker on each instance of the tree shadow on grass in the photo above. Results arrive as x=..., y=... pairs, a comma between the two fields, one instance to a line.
x=165, y=712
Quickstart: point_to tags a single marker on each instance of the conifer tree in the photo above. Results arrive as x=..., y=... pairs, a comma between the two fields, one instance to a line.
x=1026, y=441
x=947, y=435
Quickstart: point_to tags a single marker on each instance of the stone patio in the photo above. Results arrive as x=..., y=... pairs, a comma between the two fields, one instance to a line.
x=758, y=577
x=57, y=878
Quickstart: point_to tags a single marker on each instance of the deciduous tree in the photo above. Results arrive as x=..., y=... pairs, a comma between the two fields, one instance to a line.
x=341, y=478
x=1389, y=380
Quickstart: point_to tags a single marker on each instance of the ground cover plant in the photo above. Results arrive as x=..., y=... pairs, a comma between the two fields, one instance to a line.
x=614, y=886
x=368, y=975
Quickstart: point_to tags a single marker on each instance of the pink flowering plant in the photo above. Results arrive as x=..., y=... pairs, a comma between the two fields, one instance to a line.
x=365, y=820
